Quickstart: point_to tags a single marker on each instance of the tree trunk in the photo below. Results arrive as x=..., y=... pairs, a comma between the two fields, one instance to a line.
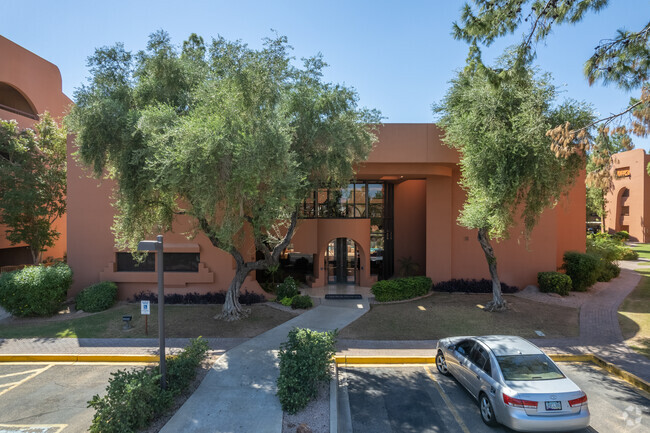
x=497, y=303
x=36, y=256
x=232, y=309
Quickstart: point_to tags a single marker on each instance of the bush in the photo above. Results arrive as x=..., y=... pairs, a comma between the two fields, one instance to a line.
x=471, y=286
x=622, y=236
x=286, y=301
x=199, y=298
x=287, y=289
x=607, y=271
x=134, y=397
x=554, y=282
x=304, y=363
x=98, y=297
x=35, y=290
x=302, y=302
x=582, y=268
x=401, y=288
x=630, y=254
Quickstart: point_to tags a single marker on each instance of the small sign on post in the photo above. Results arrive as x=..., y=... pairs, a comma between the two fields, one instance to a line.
x=145, y=310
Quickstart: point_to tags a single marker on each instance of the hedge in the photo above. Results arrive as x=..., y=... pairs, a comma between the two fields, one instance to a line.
x=471, y=286
x=35, y=290
x=98, y=297
x=134, y=397
x=305, y=360
x=401, y=288
x=554, y=282
x=582, y=268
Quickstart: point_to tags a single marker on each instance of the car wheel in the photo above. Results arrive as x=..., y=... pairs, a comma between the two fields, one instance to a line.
x=487, y=413
x=441, y=363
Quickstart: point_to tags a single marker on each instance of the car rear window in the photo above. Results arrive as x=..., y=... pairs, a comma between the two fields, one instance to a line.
x=528, y=367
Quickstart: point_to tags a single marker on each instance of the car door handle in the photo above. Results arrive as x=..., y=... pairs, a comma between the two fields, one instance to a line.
x=478, y=377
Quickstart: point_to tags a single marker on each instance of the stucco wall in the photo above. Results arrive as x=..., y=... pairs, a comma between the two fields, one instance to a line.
x=38, y=81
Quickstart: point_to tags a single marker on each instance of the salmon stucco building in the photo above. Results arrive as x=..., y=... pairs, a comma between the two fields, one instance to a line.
x=397, y=216
x=626, y=206
x=400, y=211
x=29, y=86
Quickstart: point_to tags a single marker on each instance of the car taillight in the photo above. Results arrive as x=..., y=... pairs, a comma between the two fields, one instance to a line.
x=515, y=402
x=578, y=401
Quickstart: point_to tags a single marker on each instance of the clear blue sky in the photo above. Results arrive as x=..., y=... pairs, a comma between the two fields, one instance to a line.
x=398, y=55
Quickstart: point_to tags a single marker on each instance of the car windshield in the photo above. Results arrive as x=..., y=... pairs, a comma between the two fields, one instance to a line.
x=528, y=367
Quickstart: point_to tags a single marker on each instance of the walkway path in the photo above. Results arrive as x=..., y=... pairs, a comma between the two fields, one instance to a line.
x=238, y=394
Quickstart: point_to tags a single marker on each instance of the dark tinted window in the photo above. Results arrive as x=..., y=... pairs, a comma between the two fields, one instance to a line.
x=528, y=367
x=480, y=357
x=181, y=262
x=125, y=263
x=465, y=347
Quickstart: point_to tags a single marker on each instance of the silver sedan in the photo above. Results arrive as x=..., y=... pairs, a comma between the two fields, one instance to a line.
x=515, y=383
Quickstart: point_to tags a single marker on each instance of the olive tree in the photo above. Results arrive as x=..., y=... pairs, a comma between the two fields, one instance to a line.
x=497, y=119
x=232, y=137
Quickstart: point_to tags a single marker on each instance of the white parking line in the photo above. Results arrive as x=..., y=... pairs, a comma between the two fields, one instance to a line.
x=32, y=428
x=448, y=402
x=20, y=382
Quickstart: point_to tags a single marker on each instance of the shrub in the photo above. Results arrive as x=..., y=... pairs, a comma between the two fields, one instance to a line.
x=554, y=282
x=582, y=268
x=286, y=301
x=35, y=290
x=199, y=298
x=98, y=297
x=630, y=254
x=471, y=286
x=134, y=397
x=607, y=271
x=401, y=288
x=302, y=302
x=622, y=235
x=304, y=363
x=287, y=289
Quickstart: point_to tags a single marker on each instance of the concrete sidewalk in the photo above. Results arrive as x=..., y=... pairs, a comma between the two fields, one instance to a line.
x=238, y=394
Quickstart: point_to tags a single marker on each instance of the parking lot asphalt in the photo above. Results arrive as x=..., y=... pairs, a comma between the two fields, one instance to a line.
x=50, y=397
x=417, y=398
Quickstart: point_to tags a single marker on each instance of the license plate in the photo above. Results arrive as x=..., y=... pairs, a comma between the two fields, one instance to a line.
x=553, y=405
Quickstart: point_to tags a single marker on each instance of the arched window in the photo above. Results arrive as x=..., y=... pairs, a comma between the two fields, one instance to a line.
x=14, y=101
x=626, y=192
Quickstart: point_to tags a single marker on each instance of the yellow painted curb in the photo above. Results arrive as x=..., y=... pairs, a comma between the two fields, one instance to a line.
x=587, y=357
x=78, y=358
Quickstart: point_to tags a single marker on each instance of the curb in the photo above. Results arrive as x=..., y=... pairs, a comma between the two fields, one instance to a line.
x=587, y=357
x=79, y=358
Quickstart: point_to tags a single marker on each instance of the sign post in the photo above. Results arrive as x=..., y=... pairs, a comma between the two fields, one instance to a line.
x=157, y=246
x=145, y=310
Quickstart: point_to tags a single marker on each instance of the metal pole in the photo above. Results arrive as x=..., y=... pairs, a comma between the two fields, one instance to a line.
x=161, y=310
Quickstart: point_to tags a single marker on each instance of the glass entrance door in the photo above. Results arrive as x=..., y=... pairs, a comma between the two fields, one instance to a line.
x=342, y=259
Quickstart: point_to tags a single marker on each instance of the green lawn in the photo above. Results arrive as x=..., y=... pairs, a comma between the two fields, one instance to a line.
x=180, y=321
x=634, y=312
x=643, y=250
x=443, y=315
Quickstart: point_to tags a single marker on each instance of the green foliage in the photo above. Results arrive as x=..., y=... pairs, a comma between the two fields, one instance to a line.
x=301, y=302
x=32, y=182
x=554, y=282
x=623, y=236
x=607, y=271
x=610, y=248
x=286, y=301
x=35, y=290
x=506, y=160
x=230, y=136
x=401, y=288
x=582, y=268
x=134, y=397
x=305, y=360
x=287, y=289
x=98, y=297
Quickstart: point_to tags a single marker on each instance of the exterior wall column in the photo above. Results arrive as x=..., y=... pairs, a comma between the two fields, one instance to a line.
x=439, y=225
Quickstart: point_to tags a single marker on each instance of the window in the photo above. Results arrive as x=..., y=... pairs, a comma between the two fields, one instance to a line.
x=480, y=357
x=181, y=262
x=625, y=210
x=626, y=193
x=465, y=347
x=528, y=367
x=172, y=262
x=126, y=263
